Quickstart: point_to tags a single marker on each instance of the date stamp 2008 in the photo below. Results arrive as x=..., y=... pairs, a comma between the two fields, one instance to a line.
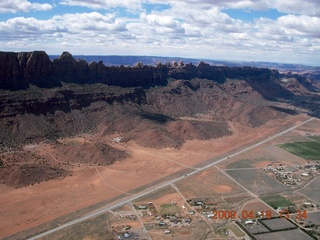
x=232, y=214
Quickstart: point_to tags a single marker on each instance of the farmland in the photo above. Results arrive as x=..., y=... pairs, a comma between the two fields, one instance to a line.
x=276, y=201
x=306, y=150
x=278, y=224
x=316, y=138
x=256, y=181
x=313, y=190
x=296, y=234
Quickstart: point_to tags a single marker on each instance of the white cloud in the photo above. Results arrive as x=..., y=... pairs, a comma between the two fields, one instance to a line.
x=14, y=6
x=301, y=25
x=84, y=29
x=287, y=28
x=20, y=27
x=79, y=22
x=159, y=20
x=187, y=28
x=304, y=7
x=104, y=4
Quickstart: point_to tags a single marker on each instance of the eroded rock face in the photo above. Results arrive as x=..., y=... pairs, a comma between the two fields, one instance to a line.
x=110, y=93
x=19, y=70
x=34, y=67
x=11, y=76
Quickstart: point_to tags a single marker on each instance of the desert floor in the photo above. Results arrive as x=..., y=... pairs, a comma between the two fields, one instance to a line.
x=27, y=207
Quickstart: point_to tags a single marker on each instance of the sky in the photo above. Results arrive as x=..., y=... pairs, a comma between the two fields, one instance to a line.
x=285, y=31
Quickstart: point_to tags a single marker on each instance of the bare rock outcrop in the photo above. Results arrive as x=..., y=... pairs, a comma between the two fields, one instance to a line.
x=20, y=70
x=11, y=76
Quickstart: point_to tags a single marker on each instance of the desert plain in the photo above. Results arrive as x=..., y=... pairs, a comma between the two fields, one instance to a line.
x=31, y=209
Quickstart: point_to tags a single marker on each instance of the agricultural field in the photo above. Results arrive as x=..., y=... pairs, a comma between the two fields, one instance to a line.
x=256, y=181
x=169, y=209
x=278, y=224
x=298, y=201
x=312, y=190
x=276, y=201
x=283, y=156
x=305, y=150
x=295, y=234
x=244, y=163
x=314, y=218
x=261, y=157
x=316, y=138
x=256, y=228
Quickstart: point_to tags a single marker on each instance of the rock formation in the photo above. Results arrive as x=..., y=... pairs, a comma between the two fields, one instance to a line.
x=155, y=106
x=19, y=70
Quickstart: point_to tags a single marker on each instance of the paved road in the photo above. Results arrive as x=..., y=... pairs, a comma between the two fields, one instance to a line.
x=143, y=193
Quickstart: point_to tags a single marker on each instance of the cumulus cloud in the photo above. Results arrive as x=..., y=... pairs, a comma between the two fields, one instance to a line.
x=20, y=27
x=191, y=28
x=61, y=27
x=304, y=7
x=14, y=6
x=300, y=25
x=309, y=7
x=287, y=28
x=156, y=29
x=79, y=22
x=104, y=4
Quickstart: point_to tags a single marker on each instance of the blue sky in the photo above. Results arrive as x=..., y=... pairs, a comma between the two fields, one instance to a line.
x=246, y=30
x=250, y=15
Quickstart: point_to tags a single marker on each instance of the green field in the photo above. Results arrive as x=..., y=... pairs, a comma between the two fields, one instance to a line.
x=316, y=138
x=305, y=150
x=276, y=201
x=169, y=209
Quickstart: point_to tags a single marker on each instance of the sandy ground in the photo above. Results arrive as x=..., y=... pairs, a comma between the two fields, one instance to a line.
x=255, y=206
x=30, y=206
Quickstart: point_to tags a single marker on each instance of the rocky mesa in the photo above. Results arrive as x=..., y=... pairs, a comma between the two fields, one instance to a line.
x=162, y=106
x=20, y=70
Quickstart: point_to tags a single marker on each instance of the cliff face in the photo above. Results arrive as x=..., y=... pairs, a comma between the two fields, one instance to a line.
x=34, y=67
x=10, y=73
x=219, y=73
x=19, y=70
x=67, y=99
x=45, y=101
x=66, y=96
